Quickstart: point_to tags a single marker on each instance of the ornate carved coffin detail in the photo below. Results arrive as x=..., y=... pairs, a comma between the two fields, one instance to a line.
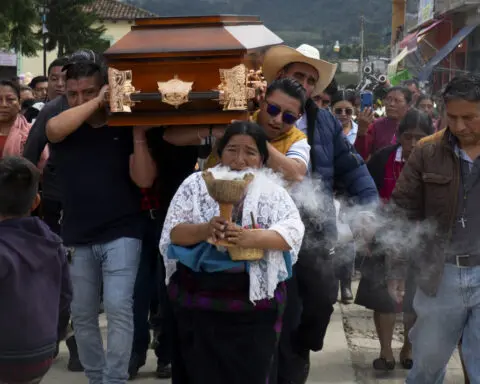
x=175, y=91
x=234, y=89
x=121, y=89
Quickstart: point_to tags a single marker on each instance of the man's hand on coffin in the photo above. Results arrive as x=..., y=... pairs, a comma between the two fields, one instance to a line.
x=216, y=228
x=260, y=91
x=102, y=97
x=218, y=131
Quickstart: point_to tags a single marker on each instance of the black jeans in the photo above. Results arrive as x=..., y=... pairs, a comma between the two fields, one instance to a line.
x=146, y=301
x=51, y=213
x=311, y=294
x=344, y=261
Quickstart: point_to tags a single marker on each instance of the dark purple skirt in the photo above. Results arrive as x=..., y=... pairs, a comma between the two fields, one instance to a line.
x=221, y=337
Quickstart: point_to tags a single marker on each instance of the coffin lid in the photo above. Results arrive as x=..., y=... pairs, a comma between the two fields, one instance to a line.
x=168, y=37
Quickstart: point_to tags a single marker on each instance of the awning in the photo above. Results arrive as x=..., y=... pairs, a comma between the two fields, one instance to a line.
x=392, y=67
x=445, y=51
x=428, y=28
x=413, y=38
x=408, y=40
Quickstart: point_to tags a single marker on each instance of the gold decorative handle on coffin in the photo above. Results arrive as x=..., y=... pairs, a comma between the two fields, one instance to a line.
x=237, y=87
x=121, y=90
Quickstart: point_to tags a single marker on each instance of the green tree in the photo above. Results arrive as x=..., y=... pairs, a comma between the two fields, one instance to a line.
x=17, y=26
x=70, y=28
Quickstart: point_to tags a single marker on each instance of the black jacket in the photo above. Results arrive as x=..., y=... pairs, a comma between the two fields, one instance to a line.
x=34, y=284
x=378, y=161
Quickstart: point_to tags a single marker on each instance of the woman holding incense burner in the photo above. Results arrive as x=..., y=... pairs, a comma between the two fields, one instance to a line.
x=229, y=313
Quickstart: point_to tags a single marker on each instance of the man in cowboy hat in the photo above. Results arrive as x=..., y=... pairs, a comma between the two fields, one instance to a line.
x=313, y=289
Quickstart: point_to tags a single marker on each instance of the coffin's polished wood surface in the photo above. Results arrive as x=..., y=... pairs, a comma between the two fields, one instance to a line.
x=194, y=49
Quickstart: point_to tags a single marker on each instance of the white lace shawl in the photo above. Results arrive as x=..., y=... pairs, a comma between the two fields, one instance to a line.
x=272, y=207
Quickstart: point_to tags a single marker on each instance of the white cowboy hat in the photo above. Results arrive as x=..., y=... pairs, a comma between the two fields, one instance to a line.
x=276, y=58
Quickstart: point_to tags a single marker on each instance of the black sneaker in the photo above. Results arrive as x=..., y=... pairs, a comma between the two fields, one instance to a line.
x=136, y=362
x=74, y=364
x=164, y=371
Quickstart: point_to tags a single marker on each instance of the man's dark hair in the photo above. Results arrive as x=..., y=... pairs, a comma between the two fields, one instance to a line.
x=415, y=119
x=406, y=93
x=89, y=56
x=465, y=87
x=60, y=62
x=332, y=88
x=11, y=84
x=290, y=87
x=253, y=130
x=82, y=69
x=29, y=103
x=25, y=88
x=409, y=82
x=37, y=80
x=18, y=186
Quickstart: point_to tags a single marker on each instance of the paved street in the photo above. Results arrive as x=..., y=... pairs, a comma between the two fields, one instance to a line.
x=350, y=348
x=364, y=348
x=330, y=366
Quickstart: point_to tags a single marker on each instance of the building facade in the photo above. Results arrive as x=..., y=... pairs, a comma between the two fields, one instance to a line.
x=445, y=42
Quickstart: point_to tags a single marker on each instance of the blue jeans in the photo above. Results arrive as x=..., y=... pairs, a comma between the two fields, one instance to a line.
x=117, y=263
x=441, y=321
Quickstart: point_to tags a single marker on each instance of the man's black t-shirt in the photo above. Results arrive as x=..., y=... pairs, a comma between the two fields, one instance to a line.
x=174, y=165
x=100, y=201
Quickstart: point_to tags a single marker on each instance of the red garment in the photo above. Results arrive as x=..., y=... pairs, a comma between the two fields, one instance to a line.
x=3, y=140
x=379, y=135
x=150, y=199
x=392, y=173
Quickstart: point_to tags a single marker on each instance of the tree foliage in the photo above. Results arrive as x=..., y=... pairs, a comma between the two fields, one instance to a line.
x=69, y=27
x=17, y=22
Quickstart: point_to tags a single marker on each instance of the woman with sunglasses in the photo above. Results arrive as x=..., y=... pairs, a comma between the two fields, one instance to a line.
x=343, y=107
x=288, y=148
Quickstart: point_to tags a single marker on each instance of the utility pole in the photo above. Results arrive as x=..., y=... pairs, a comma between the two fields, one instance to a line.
x=362, y=47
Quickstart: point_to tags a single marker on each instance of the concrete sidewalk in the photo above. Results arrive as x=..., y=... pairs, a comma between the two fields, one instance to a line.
x=332, y=365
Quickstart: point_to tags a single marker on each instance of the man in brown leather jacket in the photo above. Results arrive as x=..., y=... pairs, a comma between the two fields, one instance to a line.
x=441, y=184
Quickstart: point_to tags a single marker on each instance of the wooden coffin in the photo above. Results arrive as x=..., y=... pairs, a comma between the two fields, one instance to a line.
x=186, y=70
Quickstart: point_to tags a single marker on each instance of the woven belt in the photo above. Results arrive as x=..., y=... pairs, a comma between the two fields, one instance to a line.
x=464, y=261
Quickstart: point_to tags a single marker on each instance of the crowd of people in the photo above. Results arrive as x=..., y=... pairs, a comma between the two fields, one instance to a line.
x=126, y=224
